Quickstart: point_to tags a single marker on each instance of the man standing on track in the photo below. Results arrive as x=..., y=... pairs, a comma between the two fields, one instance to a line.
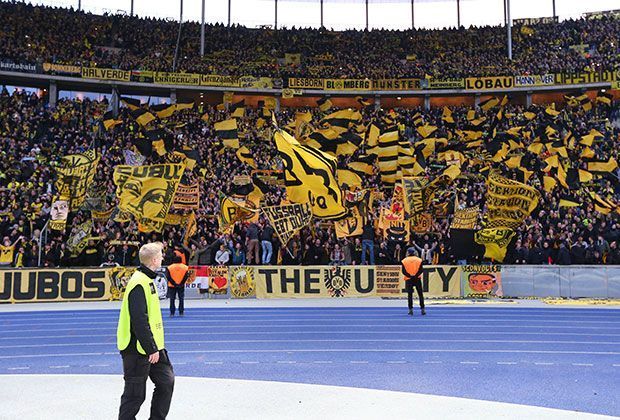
x=177, y=274
x=412, y=270
x=140, y=339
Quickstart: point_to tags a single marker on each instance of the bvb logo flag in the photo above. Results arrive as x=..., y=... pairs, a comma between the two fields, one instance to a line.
x=310, y=176
x=288, y=219
x=465, y=218
x=75, y=175
x=509, y=202
x=79, y=238
x=147, y=192
x=422, y=223
x=495, y=242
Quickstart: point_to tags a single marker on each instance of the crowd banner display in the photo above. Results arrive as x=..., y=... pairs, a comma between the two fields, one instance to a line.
x=8, y=65
x=106, y=74
x=350, y=281
x=579, y=78
x=119, y=277
x=52, y=285
x=348, y=84
x=482, y=281
x=305, y=83
x=486, y=83
x=535, y=80
x=62, y=69
x=165, y=78
x=256, y=82
x=207, y=280
x=217, y=80
x=396, y=84
x=535, y=20
x=453, y=83
x=242, y=282
x=142, y=76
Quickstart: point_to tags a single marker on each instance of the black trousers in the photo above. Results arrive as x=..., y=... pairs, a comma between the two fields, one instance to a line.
x=137, y=369
x=409, y=285
x=173, y=292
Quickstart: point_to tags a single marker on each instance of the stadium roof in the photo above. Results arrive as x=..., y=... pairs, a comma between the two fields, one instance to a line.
x=344, y=14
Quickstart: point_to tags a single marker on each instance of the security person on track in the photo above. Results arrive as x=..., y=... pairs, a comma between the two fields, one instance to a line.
x=177, y=274
x=140, y=339
x=412, y=270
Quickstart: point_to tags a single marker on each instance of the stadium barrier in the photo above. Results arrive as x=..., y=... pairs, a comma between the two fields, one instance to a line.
x=268, y=282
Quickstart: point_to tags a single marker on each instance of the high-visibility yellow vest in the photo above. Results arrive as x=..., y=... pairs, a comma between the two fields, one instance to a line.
x=123, y=332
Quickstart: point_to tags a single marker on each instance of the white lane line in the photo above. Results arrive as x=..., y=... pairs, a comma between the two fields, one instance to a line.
x=59, y=367
x=248, y=363
x=397, y=362
x=284, y=322
x=582, y=364
x=384, y=327
x=352, y=350
x=506, y=363
x=308, y=332
x=432, y=362
x=334, y=340
x=616, y=365
x=469, y=363
x=179, y=363
x=214, y=363
x=544, y=363
x=359, y=362
x=19, y=368
x=322, y=362
x=286, y=362
x=101, y=365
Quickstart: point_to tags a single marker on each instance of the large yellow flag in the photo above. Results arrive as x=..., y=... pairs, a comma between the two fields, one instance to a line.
x=147, y=192
x=75, y=175
x=310, y=177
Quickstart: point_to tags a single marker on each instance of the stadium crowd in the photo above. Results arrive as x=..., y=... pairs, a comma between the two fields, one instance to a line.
x=36, y=34
x=34, y=137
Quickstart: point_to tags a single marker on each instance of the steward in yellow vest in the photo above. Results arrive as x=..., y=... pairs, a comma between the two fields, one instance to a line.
x=411, y=268
x=140, y=339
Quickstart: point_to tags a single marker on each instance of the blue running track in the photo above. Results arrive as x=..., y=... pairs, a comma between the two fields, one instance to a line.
x=567, y=358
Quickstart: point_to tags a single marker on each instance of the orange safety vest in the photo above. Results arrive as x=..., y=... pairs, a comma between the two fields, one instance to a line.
x=177, y=272
x=412, y=265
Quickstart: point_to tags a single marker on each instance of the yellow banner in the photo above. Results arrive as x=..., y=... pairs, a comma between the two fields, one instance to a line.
x=61, y=68
x=75, y=176
x=164, y=78
x=348, y=84
x=41, y=285
x=304, y=83
x=446, y=83
x=578, y=78
x=147, y=192
x=106, y=74
x=509, y=202
x=535, y=80
x=485, y=83
x=255, y=82
x=217, y=80
x=396, y=84
x=350, y=281
x=242, y=282
x=466, y=218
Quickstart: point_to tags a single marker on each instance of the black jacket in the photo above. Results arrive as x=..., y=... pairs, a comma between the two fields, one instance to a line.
x=139, y=319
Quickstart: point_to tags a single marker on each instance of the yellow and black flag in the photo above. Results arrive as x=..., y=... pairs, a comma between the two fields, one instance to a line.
x=245, y=155
x=387, y=150
x=362, y=166
x=324, y=104
x=131, y=103
x=488, y=103
x=109, y=121
x=237, y=110
x=163, y=110
x=446, y=115
x=585, y=102
x=227, y=131
x=364, y=102
x=604, y=97
x=184, y=104
x=157, y=141
x=142, y=116
x=603, y=166
x=310, y=177
x=192, y=157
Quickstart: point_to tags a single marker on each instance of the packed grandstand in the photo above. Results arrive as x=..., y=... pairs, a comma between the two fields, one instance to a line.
x=438, y=178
